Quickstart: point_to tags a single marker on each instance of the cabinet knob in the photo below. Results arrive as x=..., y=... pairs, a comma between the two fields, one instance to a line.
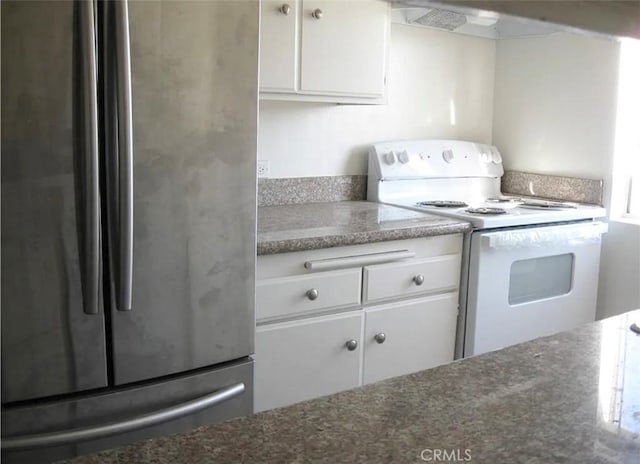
x=351, y=345
x=317, y=13
x=418, y=279
x=380, y=337
x=312, y=294
x=285, y=9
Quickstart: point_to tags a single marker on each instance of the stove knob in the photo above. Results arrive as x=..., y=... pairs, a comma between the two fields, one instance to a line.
x=496, y=157
x=447, y=155
x=390, y=158
x=403, y=157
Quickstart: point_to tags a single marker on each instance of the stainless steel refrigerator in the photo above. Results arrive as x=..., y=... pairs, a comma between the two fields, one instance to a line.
x=128, y=220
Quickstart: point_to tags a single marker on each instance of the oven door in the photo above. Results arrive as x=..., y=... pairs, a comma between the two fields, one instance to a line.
x=530, y=282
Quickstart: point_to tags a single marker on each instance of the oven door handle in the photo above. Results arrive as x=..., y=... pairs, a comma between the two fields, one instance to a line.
x=535, y=237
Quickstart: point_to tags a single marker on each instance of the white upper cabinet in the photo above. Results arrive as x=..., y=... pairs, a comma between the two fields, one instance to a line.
x=343, y=47
x=324, y=50
x=278, y=46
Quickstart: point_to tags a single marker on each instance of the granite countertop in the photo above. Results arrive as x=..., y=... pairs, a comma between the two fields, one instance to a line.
x=573, y=397
x=309, y=226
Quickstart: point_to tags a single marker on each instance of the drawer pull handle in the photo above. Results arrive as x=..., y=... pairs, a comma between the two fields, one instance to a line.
x=358, y=260
x=380, y=337
x=317, y=13
x=351, y=345
x=418, y=280
x=313, y=294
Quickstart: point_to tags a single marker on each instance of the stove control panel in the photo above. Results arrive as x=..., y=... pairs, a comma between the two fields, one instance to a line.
x=415, y=159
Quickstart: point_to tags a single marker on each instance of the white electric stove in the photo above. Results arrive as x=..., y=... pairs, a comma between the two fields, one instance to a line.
x=459, y=179
x=530, y=265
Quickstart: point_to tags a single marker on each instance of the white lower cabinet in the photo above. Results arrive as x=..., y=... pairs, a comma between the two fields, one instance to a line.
x=363, y=313
x=401, y=338
x=300, y=360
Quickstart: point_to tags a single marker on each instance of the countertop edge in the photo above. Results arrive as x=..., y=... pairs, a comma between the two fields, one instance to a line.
x=536, y=402
x=358, y=238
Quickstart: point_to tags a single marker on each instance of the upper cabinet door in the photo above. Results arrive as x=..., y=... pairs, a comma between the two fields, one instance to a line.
x=342, y=47
x=278, y=45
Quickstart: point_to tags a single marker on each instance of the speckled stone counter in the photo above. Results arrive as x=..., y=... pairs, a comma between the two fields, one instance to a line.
x=569, y=398
x=310, y=226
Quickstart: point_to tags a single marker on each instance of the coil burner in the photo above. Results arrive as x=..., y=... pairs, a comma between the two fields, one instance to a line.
x=504, y=200
x=486, y=211
x=553, y=205
x=443, y=203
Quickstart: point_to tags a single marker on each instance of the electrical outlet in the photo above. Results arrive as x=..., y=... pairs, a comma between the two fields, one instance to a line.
x=263, y=168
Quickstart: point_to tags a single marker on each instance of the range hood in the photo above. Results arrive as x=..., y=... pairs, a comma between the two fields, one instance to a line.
x=466, y=17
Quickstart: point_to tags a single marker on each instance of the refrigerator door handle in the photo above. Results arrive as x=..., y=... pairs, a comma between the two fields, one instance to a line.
x=129, y=425
x=87, y=162
x=125, y=155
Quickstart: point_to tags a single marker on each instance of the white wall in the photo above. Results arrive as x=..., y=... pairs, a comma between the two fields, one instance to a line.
x=555, y=113
x=555, y=104
x=431, y=74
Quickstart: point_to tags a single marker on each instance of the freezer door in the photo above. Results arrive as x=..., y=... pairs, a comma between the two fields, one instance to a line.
x=194, y=68
x=50, y=431
x=53, y=338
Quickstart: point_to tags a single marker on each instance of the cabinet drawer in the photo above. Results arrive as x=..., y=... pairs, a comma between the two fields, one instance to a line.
x=286, y=296
x=300, y=360
x=401, y=338
x=412, y=277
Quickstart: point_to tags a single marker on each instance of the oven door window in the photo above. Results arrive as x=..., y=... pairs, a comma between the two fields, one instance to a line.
x=540, y=278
